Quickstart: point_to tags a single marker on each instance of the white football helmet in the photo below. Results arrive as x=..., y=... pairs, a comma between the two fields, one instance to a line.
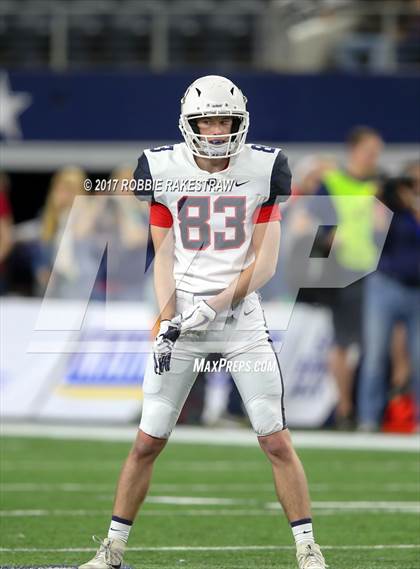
x=214, y=95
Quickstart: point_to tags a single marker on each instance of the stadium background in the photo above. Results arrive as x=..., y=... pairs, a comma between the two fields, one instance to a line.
x=88, y=85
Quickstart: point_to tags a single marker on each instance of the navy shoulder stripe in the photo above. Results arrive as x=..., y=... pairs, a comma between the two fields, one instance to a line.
x=142, y=172
x=281, y=180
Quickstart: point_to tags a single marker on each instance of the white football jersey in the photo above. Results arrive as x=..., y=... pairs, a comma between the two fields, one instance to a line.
x=212, y=215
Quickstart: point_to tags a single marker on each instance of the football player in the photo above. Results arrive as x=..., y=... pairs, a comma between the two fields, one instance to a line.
x=213, y=249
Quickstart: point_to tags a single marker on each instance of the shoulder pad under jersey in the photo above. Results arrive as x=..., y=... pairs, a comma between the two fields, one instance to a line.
x=274, y=162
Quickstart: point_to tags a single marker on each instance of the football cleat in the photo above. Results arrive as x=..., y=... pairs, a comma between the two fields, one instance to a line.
x=309, y=556
x=109, y=555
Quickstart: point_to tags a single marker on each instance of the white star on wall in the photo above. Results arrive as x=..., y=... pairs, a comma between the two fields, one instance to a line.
x=11, y=106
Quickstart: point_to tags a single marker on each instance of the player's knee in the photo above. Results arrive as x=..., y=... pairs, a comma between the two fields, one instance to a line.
x=277, y=446
x=266, y=414
x=146, y=447
x=159, y=417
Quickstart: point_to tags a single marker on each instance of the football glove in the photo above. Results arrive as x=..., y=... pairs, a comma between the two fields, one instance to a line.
x=163, y=345
x=195, y=319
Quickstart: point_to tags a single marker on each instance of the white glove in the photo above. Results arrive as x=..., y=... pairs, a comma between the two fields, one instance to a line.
x=195, y=319
x=163, y=345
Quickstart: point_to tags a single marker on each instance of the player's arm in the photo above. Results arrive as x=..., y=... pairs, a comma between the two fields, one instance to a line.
x=265, y=243
x=163, y=242
x=6, y=239
x=265, y=240
x=164, y=282
x=167, y=334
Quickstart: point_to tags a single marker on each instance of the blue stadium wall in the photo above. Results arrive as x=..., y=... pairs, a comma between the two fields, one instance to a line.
x=142, y=106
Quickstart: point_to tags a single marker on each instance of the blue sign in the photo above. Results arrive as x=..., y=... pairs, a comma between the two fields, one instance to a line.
x=139, y=106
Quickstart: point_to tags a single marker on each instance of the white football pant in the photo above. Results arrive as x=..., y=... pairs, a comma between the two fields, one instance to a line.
x=242, y=339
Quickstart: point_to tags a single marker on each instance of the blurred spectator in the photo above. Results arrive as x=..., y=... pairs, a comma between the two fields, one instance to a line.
x=65, y=185
x=6, y=235
x=408, y=45
x=392, y=295
x=412, y=170
x=118, y=219
x=222, y=406
x=355, y=254
x=400, y=360
x=297, y=232
x=308, y=174
x=366, y=47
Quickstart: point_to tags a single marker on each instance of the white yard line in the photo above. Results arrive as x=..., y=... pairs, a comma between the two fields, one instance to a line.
x=208, y=487
x=200, y=435
x=199, y=465
x=147, y=513
x=337, y=505
x=210, y=548
x=235, y=513
x=271, y=508
x=196, y=501
x=175, y=465
x=360, y=506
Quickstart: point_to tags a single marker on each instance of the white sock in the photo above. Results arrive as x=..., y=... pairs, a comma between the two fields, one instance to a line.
x=119, y=529
x=302, y=531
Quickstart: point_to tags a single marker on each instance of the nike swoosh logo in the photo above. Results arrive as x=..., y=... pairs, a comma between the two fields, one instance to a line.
x=246, y=313
x=309, y=531
x=237, y=184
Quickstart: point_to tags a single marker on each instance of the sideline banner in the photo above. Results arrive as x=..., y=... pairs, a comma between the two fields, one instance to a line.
x=45, y=375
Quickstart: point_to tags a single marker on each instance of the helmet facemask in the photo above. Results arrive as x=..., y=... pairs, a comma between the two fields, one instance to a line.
x=204, y=145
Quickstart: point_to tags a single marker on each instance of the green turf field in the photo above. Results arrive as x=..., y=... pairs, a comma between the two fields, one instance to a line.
x=56, y=494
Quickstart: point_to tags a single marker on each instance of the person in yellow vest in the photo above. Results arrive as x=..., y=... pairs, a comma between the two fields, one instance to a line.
x=355, y=254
